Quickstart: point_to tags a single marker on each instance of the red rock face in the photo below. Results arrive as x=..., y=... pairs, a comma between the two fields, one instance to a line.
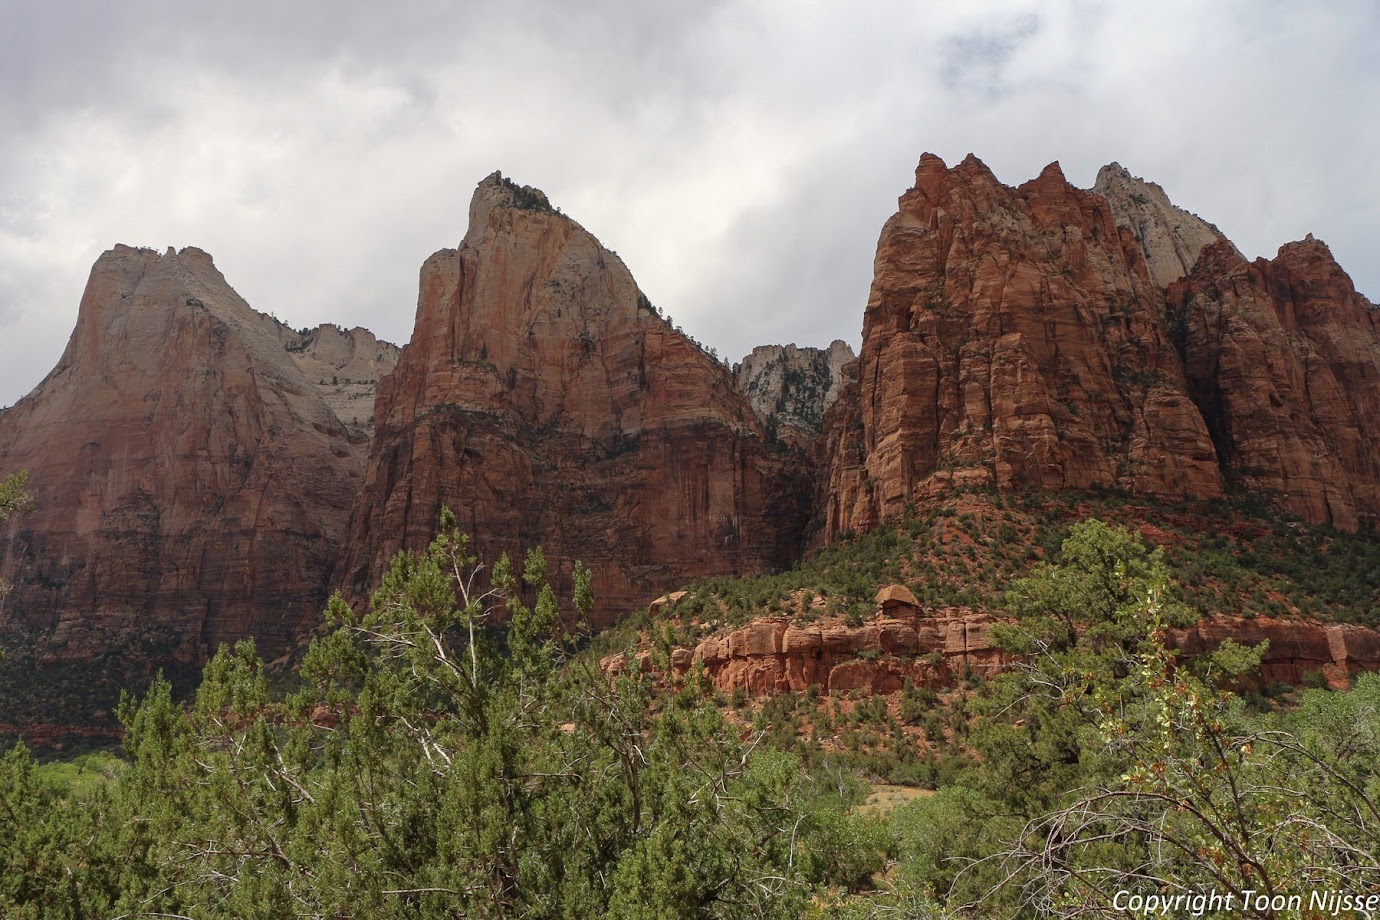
x=930, y=648
x=1013, y=338
x=936, y=648
x=1284, y=358
x=545, y=401
x=1296, y=649
x=191, y=488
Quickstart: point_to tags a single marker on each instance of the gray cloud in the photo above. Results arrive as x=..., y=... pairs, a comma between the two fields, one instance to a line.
x=740, y=156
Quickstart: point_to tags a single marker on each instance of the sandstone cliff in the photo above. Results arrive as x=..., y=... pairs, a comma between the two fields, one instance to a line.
x=191, y=486
x=1283, y=357
x=1013, y=338
x=545, y=401
x=1021, y=338
x=793, y=385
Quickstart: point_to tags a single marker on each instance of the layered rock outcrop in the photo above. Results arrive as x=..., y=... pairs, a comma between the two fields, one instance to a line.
x=1024, y=338
x=793, y=386
x=938, y=647
x=933, y=648
x=545, y=401
x=1296, y=649
x=1283, y=357
x=191, y=486
x=1013, y=338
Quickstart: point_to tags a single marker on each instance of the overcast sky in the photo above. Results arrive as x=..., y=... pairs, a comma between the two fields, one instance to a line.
x=741, y=157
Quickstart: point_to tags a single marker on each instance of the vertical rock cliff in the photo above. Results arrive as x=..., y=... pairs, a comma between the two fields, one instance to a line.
x=1052, y=338
x=1283, y=356
x=1013, y=338
x=191, y=487
x=545, y=401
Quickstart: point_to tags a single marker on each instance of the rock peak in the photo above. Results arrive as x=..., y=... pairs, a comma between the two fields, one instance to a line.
x=192, y=485
x=792, y=384
x=972, y=166
x=504, y=192
x=1171, y=238
x=532, y=341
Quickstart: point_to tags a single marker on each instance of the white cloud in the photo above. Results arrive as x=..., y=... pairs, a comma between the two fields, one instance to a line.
x=740, y=156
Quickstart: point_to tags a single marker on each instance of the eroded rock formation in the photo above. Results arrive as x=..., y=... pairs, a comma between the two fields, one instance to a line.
x=545, y=401
x=937, y=647
x=1013, y=338
x=346, y=366
x=789, y=385
x=1283, y=356
x=930, y=648
x=191, y=486
x=1022, y=338
x=1170, y=237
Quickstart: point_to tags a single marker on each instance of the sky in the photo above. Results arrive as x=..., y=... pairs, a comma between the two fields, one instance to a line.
x=740, y=156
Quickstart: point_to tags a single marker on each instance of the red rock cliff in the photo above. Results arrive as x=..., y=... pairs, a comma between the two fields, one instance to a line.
x=1283, y=356
x=1013, y=337
x=545, y=401
x=191, y=487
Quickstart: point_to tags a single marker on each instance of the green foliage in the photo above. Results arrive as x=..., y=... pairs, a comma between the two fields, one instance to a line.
x=13, y=497
x=13, y=500
x=447, y=752
x=1104, y=765
x=444, y=756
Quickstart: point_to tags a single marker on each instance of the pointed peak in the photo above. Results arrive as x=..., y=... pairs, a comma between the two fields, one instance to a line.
x=1114, y=171
x=974, y=170
x=504, y=192
x=1053, y=171
x=1115, y=176
x=971, y=165
x=930, y=165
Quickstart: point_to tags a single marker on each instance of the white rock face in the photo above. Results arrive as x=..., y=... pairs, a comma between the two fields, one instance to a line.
x=345, y=365
x=794, y=384
x=1170, y=236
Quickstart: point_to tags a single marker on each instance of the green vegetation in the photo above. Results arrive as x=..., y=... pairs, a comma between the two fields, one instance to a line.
x=13, y=500
x=1225, y=558
x=526, y=198
x=431, y=764
x=13, y=497
x=457, y=751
